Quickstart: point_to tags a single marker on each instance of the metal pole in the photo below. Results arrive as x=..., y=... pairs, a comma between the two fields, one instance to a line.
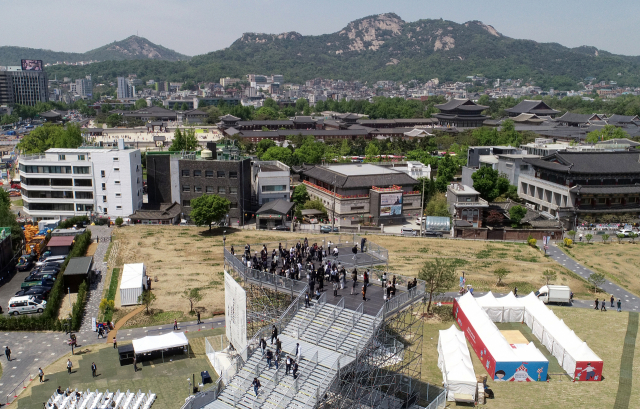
x=422, y=207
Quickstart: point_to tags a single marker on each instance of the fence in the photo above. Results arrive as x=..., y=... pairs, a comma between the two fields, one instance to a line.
x=182, y=328
x=22, y=385
x=439, y=402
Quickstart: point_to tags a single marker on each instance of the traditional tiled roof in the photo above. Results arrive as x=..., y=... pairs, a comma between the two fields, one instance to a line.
x=589, y=162
x=532, y=107
x=279, y=206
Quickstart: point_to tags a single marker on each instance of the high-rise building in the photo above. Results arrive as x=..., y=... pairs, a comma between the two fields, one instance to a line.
x=23, y=87
x=124, y=89
x=84, y=87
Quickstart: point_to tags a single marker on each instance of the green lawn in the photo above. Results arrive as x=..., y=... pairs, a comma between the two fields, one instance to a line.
x=167, y=380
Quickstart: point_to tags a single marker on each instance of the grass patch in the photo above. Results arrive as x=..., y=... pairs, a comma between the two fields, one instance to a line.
x=106, y=255
x=111, y=293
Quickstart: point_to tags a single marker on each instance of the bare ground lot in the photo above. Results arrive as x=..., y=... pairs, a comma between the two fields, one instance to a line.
x=189, y=257
x=619, y=262
x=604, y=332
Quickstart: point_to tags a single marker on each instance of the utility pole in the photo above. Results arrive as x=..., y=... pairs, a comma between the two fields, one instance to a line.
x=422, y=207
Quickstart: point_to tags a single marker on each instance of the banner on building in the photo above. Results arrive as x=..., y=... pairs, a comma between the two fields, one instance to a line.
x=235, y=302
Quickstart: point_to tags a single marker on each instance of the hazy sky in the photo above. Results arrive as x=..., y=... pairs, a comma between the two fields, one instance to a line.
x=198, y=26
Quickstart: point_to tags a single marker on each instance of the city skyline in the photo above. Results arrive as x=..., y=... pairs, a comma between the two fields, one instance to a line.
x=175, y=25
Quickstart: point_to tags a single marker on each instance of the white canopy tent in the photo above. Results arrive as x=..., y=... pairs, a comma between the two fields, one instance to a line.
x=159, y=342
x=132, y=283
x=503, y=309
x=455, y=363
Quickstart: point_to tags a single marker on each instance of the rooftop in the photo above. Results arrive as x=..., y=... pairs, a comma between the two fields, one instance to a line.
x=460, y=189
x=61, y=241
x=78, y=266
x=361, y=169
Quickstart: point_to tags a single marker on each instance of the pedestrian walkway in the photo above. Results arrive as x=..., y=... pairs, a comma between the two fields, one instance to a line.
x=626, y=364
x=92, y=307
x=630, y=302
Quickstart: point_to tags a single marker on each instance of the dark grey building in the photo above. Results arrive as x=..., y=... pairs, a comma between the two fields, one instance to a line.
x=23, y=87
x=177, y=177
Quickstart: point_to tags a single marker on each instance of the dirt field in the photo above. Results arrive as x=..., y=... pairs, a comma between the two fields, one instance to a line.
x=606, y=340
x=188, y=257
x=619, y=262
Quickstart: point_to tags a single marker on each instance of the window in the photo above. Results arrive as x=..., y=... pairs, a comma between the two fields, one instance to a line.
x=104, y=186
x=102, y=174
x=233, y=190
x=197, y=189
x=105, y=210
x=84, y=195
x=524, y=167
x=104, y=199
x=84, y=208
x=509, y=164
x=118, y=207
x=208, y=173
x=221, y=190
x=274, y=188
x=185, y=173
x=602, y=200
x=81, y=170
x=357, y=207
x=221, y=173
x=83, y=182
x=234, y=205
x=233, y=175
x=83, y=157
x=118, y=195
x=116, y=169
x=186, y=188
x=117, y=182
x=210, y=189
x=45, y=169
x=61, y=157
x=186, y=203
x=197, y=173
x=116, y=159
x=61, y=182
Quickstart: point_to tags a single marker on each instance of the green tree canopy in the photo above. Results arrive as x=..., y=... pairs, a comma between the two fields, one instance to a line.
x=311, y=151
x=517, y=213
x=489, y=183
x=300, y=195
x=278, y=153
x=141, y=103
x=51, y=136
x=208, y=209
x=446, y=171
x=440, y=275
x=263, y=146
x=266, y=113
x=437, y=206
x=606, y=133
x=315, y=205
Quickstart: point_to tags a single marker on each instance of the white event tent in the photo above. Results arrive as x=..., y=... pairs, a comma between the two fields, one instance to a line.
x=159, y=343
x=455, y=363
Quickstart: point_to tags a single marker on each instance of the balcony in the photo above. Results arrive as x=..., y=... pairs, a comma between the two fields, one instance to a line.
x=480, y=203
x=336, y=195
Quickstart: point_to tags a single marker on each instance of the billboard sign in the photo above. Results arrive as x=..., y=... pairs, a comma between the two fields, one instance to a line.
x=391, y=204
x=31, y=65
x=235, y=303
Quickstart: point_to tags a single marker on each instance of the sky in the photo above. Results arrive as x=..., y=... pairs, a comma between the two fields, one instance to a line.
x=195, y=27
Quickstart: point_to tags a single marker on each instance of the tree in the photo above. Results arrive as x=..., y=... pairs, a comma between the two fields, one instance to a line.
x=633, y=236
x=596, y=279
x=549, y=275
x=605, y=237
x=620, y=236
x=517, y=213
x=278, y=153
x=606, y=133
x=300, y=195
x=446, y=171
x=5, y=199
x=372, y=153
x=141, y=103
x=193, y=296
x=51, y=136
x=495, y=217
x=588, y=237
x=266, y=113
x=489, y=183
x=439, y=276
x=106, y=305
x=190, y=139
x=147, y=298
x=208, y=209
x=500, y=273
x=178, y=141
x=301, y=104
x=315, y=205
x=263, y=146
x=113, y=120
x=119, y=221
x=572, y=234
x=437, y=206
x=311, y=151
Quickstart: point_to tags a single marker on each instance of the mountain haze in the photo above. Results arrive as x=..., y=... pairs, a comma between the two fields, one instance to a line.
x=131, y=48
x=383, y=47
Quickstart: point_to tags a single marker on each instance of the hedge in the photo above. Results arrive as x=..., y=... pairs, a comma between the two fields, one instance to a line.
x=78, y=308
x=69, y=223
x=48, y=320
x=111, y=293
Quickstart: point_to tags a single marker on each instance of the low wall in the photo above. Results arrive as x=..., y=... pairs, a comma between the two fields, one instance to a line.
x=506, y=234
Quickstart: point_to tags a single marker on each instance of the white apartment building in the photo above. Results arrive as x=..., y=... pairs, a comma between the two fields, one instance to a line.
x=270, y=180
x=91, y=181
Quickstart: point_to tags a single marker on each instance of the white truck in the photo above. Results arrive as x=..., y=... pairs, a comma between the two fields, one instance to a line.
x=554, y=293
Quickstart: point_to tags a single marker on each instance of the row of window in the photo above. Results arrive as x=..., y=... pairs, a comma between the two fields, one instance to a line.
x=64, y=194
x=57, y=182
x=64, y=157
x=78, y=170
x=274, y=188
x=221, y=190
x=187, y=203
x=209, y=173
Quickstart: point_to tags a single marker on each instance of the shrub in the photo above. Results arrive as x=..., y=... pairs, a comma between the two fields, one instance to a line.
x=68, y=223
x=588, y=237
x=568, y=242
x=605, y=237
x=532, y=242
x=77, y=312
x=119, y=221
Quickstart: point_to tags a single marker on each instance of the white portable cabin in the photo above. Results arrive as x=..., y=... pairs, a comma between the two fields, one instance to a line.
x=134, y=278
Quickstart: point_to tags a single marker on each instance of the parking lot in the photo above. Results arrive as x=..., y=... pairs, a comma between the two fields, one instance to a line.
x=9, y=288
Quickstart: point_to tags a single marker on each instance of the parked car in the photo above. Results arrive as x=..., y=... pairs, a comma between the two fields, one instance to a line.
x=46, y=282
x=282, y=227
x=408, y=231
x=25, y=263
x=327, y=229
x=54, y=260
x=625, y=232
x=431, y=233
x=39, y=277
x=311, y=220
x=26, y=305
x=38, y=291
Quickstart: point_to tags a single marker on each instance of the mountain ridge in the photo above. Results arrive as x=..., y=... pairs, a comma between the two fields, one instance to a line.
x=385, y=47
x=131, y=48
